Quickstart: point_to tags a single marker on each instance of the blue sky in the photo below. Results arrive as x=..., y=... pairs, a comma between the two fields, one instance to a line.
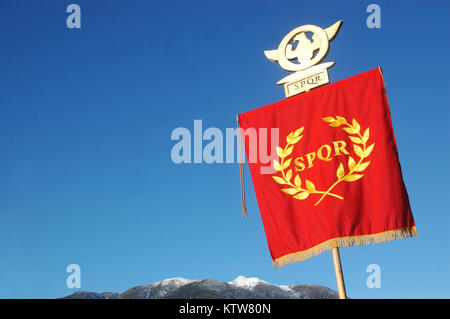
x=86, y=116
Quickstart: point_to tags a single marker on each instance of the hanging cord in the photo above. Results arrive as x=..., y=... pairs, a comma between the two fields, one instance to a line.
x=241, y=167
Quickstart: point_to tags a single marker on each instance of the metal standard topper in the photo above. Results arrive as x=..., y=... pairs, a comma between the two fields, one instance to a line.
x=308, y=74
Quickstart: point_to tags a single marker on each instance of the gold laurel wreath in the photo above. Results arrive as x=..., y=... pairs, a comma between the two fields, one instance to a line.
x=296, y=190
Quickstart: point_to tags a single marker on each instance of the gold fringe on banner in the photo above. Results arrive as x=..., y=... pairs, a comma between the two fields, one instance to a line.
x=241, y=167
x=345, y=242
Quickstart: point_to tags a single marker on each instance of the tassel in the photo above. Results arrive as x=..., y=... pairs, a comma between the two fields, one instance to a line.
x=241, y=167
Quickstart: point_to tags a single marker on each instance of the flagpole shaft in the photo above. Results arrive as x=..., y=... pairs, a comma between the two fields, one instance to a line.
x=339, y=274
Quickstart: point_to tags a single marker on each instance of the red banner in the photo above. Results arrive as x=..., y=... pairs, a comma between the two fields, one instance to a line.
x=336, y=178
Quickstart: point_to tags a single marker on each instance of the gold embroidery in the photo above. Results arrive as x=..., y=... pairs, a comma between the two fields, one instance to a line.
x=339, y=150
x=296, y=190
x=353, y=129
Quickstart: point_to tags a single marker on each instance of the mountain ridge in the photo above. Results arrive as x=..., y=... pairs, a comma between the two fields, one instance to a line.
x=239, y=288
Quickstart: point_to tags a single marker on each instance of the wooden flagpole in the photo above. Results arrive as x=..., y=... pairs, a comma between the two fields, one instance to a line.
x=339, y=274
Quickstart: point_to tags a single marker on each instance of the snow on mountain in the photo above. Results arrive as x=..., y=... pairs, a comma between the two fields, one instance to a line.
x=262, y=288
x=174, y=283
x=247, y=283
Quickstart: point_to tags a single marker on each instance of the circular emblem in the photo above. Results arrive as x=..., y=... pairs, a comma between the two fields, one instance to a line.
x=305, y=50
